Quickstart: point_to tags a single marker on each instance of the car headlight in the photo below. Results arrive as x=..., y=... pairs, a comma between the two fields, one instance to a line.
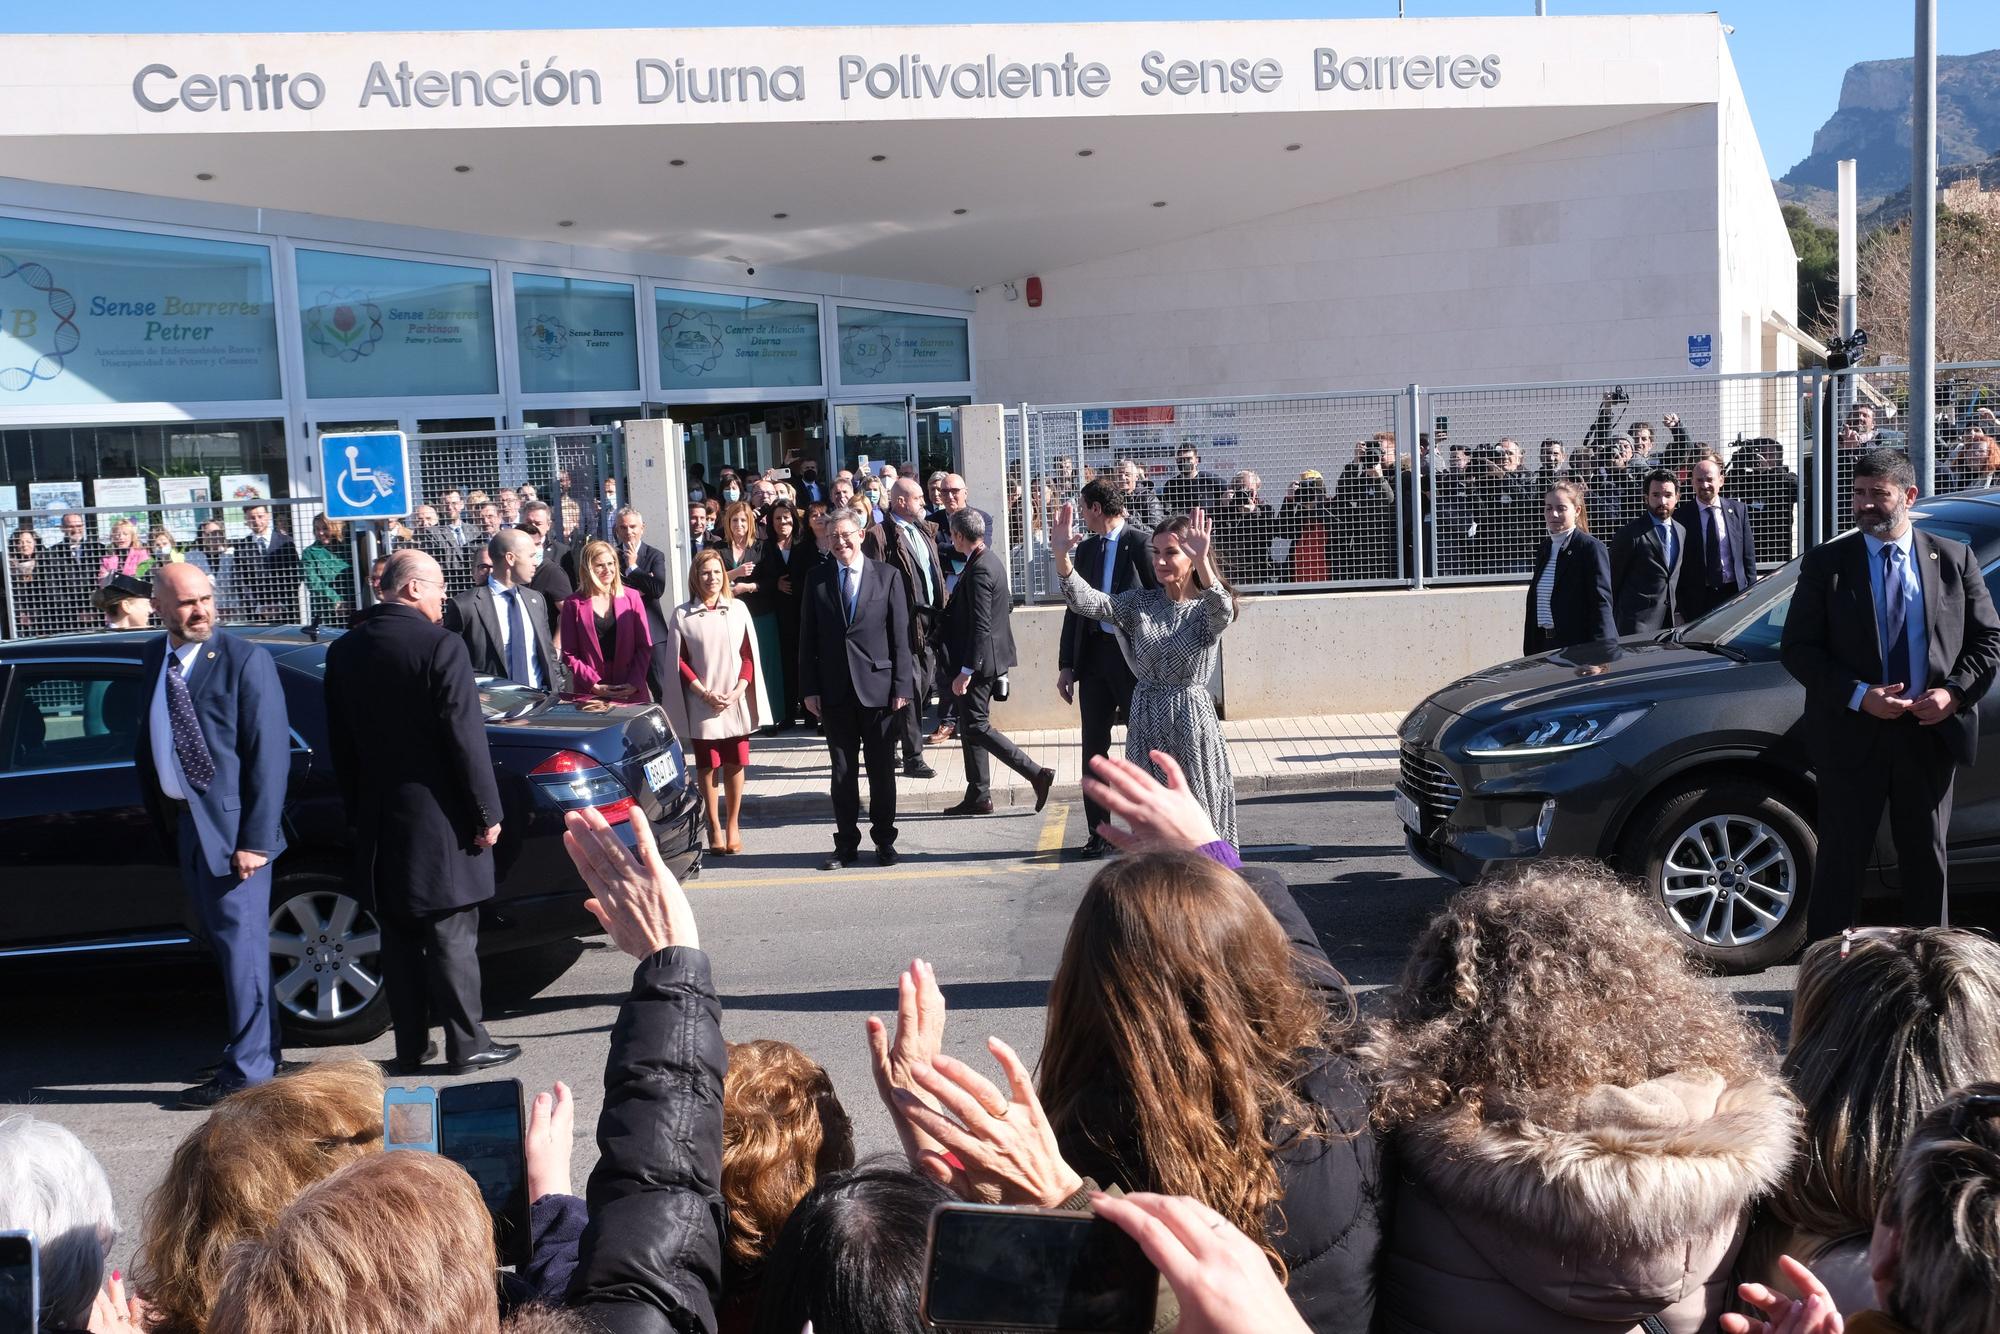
x=1553, y=733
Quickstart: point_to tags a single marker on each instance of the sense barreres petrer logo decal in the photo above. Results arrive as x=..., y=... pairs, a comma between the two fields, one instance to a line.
x=691, y=341
x=345, y=324
x=40, y=317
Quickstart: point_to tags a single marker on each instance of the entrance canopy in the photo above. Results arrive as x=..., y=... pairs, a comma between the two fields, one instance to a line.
x=954, y=156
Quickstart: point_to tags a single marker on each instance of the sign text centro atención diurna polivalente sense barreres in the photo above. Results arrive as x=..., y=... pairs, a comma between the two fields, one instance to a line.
x=160, y=87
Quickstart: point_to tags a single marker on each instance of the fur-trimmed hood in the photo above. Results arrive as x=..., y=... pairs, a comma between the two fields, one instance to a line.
x=1627, y=1168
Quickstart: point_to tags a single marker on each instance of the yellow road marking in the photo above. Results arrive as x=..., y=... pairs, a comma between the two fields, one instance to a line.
x=858, y=872
x=1051, y=837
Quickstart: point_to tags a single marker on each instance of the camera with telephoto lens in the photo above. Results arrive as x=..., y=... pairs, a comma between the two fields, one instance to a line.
x=1371, y=454
x=1618, y=395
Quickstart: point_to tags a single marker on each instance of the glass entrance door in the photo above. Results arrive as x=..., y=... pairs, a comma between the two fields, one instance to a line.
x=752, y=437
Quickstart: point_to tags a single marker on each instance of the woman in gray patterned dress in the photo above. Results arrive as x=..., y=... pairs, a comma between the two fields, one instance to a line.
x=1170, y=636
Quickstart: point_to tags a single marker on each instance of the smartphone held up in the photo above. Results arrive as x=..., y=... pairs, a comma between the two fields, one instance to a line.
x=995, y=1267
x=481, y=1127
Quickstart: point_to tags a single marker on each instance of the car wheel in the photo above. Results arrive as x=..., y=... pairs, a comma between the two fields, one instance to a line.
x=1728, y=865
x=326, y=957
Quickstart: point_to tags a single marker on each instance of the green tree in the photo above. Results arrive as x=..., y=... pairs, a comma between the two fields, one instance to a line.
x=1818, y=249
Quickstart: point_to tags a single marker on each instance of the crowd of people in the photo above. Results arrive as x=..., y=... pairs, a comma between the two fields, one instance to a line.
x=1553, y=1123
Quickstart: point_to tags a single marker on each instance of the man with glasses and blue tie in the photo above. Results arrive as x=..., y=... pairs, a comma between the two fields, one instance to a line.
x=214, y=754
x=856, y=674
x=1894, y=637
x=504, y=622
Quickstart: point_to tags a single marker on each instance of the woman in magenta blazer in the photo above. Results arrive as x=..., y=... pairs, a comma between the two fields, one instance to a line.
x=606, y=643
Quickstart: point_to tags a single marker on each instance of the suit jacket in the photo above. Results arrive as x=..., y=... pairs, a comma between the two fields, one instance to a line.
x=1695, y=597
x=1832, y=645
x=266, y=579
x=648, y=577
x=977, y=622
x=241, y=709
x=411, y=759
x=1132, y=568
x=1581, y=598
x=583, y=656
x=555, y=587
x=1645, y=593
x=868, y=661
x=884, y=542
x=474, y=615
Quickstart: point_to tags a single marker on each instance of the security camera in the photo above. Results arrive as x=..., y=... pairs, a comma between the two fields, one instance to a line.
x=752, y=271
x=977, y=290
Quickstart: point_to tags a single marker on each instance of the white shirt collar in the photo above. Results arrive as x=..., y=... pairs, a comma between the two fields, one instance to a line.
x=1558, y=541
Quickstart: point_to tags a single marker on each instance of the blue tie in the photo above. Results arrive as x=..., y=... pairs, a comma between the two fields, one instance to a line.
x=1896, y=658
x=517, y=640
x=847, y=591
x=1667, y=543
x=189, y=744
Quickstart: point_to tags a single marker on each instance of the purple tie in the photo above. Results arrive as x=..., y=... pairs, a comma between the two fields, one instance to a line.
x=189, y=744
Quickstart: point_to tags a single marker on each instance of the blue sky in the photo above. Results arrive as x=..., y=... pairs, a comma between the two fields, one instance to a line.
x=1790, y=53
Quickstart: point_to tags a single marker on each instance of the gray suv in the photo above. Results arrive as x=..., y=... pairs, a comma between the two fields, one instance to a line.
x=1678, y=760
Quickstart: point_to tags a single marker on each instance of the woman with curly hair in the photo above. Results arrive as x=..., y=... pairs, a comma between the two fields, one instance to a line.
x=783, y=1129
x=1885, y=1022
x=1582, y=1121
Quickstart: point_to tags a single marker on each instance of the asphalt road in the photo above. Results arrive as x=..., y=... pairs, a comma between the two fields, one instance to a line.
x=798, y=955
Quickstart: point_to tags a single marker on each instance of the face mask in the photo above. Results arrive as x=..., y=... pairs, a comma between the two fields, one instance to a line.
x=732, y=495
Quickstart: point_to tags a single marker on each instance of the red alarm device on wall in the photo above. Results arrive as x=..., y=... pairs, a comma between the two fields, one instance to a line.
x=1034, y=291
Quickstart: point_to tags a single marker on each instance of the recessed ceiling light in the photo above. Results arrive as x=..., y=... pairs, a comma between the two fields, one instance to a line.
x=1085, y=152
x=204, y=175
x=958, y=212
x=566, y=222
x=781, y=215
x=461, y=169
x=1291, y=148
x=677, y=162
x=1159, y=203
x=879, y=157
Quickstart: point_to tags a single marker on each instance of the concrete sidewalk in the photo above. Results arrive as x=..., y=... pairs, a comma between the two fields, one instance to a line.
x=789, y=774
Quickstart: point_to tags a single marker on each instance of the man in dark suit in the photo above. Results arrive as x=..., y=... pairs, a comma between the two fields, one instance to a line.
x=907, y=541
x=1190, y=489
x=213, y=758
x=1646, y=562
x=1569, y=593
x=1721, y=558
x=410, y=755
x=264, y=566
x=71, y=566
x=645, y=569
x=504, y=622
x=856, y=674
x=1894, y=637
x=1092, y=671
x=979, y=650
x=555, y=575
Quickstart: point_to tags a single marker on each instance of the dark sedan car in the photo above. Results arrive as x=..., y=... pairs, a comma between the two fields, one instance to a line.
x=84, y=876
x=1677, y=760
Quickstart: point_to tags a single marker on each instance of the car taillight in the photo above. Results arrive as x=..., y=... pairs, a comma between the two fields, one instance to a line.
x=574, y=781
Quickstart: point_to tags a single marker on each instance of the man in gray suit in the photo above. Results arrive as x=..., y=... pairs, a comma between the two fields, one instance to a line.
x=1646, y=562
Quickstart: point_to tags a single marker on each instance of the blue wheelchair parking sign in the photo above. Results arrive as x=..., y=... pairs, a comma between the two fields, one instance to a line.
x=365, y=475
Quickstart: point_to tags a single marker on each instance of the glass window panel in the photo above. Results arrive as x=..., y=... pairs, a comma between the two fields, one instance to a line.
x=392, y=328
x=711, y=341
x=93, y=315
x=897, y=347
x=577, y=336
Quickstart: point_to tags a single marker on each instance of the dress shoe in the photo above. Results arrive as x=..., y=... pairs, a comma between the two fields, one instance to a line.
x=971, y=806
x=943, y=734
x=1042, y=782
x=1093, y=848
x=498, y=1053
x=885, y=857
x=918, y=769
x=394, y=1066
x=206, y=1094
x=836, y=863
x=208, y=1072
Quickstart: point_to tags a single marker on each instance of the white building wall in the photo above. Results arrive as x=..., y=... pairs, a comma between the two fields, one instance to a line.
x=1590, y=257
x=1759, y=267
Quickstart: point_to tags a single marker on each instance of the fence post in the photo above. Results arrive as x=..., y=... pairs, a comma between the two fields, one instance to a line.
x=982, y=444
x=1420, y=461
x=7, y=576
x=1025, y=540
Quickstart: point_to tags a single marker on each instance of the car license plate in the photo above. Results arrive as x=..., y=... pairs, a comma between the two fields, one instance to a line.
x=1407, y=812
x=660, y=772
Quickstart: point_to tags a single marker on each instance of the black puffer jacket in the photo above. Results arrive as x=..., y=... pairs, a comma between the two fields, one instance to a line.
x=1327, y=1226
x=651, y=1259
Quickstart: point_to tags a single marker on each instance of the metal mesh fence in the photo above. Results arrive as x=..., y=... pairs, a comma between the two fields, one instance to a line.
x=272, y=562
x=1870, y=406
x=1492, y=453
x=1304, y=491
x=471, y=485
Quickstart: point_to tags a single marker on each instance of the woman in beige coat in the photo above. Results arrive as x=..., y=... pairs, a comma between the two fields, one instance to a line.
x=721, y=697
x=1582, y=1124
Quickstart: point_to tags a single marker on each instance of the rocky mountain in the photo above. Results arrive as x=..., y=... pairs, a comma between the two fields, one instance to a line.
x=1872, y=125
